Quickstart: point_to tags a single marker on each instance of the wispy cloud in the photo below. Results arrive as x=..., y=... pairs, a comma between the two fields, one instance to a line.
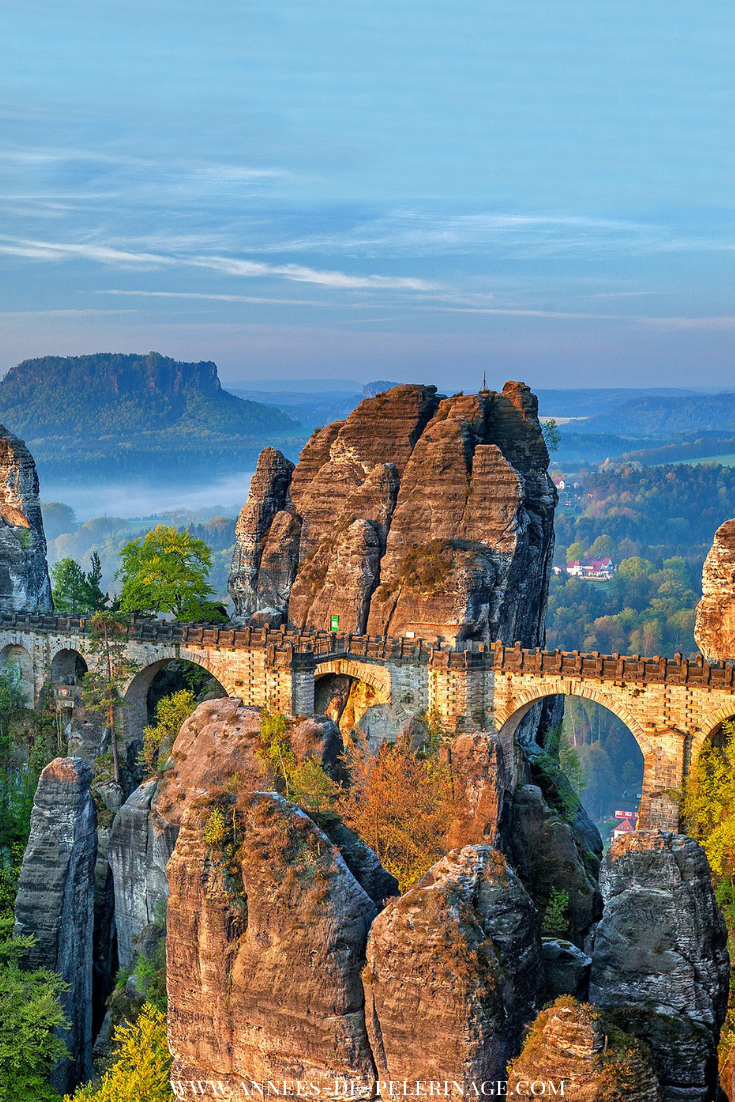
x=54, y=251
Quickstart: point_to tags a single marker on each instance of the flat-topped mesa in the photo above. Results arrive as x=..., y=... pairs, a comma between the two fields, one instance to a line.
x=418, y=514
x=715, y=626
x=24, y=578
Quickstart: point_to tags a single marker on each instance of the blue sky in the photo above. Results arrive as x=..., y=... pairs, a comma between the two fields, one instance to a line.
x=539, y=188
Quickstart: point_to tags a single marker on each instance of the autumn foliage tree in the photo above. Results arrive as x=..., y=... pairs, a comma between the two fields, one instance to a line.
x=401, y=804
x=142, y=1063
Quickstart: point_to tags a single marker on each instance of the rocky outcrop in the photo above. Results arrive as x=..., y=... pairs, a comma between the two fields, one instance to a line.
x=551, y=855
x=273, y=925
x=573, y=1044
x=216, y=746
x=55, y=901
x=715, y=625
x=479, y=782
x=453, y=972
x=566, y=967
x=418, y=513
x=660, y=957
x=24, y=577
x=267, y=499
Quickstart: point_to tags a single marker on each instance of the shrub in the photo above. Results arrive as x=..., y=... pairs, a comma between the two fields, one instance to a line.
x=556, y=921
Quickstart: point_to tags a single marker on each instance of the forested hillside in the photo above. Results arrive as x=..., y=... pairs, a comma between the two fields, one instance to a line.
x=657, y=524
x=118, y=416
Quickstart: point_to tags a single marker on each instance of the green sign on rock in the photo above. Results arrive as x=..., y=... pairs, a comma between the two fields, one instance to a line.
x=334, y=623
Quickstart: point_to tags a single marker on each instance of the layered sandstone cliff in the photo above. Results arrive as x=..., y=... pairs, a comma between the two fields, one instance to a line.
x=454, y=972
x=266, y=941
x=715, y=626
x=217, y=746
x=55, y=901
x=660, y=959
x=572, y=1043
x=418, y=513
x=24, y=578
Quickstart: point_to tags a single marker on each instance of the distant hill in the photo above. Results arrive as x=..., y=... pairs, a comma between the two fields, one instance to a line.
x=123, y=413
x=664, y=416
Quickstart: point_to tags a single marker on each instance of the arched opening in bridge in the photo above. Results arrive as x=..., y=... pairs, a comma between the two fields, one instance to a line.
x=68, y=667
x=16, y=655
x=355, y=704
x=151, y=684
x=597, y=751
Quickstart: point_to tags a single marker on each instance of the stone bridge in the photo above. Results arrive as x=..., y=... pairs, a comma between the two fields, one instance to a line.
x=671, y=706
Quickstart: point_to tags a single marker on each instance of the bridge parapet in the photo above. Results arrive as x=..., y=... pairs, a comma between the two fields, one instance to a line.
x=614, y=667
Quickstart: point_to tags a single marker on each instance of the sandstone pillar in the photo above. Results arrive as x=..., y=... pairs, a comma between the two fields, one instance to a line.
x=55, y=901
x=663, y=774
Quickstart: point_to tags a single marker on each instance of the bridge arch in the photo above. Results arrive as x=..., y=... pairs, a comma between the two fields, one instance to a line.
x=507, y=720
x=68, y=666
x=711, y=725
x=357, y=695
x=17, y=654
x=135, y=712
x=377, y=677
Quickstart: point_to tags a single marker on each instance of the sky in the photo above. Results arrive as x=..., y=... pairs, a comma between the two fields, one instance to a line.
x=373, y=189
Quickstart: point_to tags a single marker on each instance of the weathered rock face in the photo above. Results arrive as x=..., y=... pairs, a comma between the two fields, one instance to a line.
x=572, y=1043
x=273, y=926
x=418, y=513
x=715, y=626
x=24, y=577
x=267, y=500
x=566, y=967
x=549, y=854
x=55, y=900
x=453, y=972
x=480, y=783
x=660, y=957
x=217, y=744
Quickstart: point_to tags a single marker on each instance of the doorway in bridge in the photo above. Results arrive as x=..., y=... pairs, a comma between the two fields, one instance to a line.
x=603, y=763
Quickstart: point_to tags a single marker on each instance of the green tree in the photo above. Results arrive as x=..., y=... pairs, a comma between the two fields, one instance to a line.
x=69, y=586
x=108, y=673
x=97, y=599
x=159, y=737
x=76, y=591
x=167, y=571
x=142, y=1064
x=30, y=1022
x=551, y=434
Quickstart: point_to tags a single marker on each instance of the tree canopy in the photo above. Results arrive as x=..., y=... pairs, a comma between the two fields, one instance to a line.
x=167, y=571
x=76, y=590
x=30, y=1018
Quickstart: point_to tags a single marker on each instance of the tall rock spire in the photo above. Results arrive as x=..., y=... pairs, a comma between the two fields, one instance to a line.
x=24, y=577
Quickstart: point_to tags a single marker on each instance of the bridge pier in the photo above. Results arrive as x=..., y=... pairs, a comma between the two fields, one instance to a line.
x=663, y=774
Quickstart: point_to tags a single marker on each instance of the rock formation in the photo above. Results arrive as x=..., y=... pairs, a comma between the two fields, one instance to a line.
x=480, y=786
x=55, y=901
x=715, y=626
x=574, y=1044
x=453, y=972
x=24, y=577
x=566, y=967
x=268, y=918
x=660, y=957
x=216, y=746
x=418, y=513
x=549, y=854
